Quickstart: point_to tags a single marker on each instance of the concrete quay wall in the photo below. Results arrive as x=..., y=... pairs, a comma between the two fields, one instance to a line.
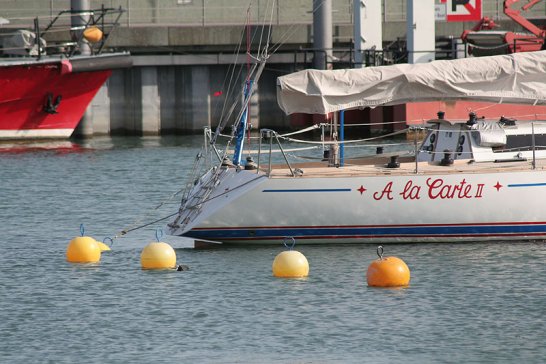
x=181, y=62
x=173, y=98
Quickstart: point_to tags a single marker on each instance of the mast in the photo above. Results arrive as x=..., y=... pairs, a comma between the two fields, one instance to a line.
x=242, y=125
x=253, y=75
x=243, y=114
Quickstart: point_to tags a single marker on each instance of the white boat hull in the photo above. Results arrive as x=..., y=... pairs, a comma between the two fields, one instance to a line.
x=359, y=209
x=469, y=180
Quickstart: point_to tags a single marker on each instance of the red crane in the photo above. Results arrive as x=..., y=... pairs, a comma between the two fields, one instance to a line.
x=482, y=39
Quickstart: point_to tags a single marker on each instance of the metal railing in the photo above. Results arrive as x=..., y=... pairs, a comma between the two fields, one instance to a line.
x=233, y=12
x=269, y=134
x=193, y=12
x=57, y=35
x=344, y=57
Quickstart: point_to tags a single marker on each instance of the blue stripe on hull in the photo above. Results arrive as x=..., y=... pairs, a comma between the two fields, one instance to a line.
x=406, y=231
x=312, y=190
x=527, y=185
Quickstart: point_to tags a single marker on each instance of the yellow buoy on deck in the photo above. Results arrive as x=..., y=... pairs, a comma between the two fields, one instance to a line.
x=83, y=249
x=387, y=272
x=158, y=255
x=290, y=264
x=92, y=34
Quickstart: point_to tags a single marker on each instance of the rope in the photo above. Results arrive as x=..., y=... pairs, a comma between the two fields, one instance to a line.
x=371, y=124
x=379, y=145
x=292, y=149
x=219, y=195
x=123, y=232
x=313, y=127
x=185, y=189
x=345, y=141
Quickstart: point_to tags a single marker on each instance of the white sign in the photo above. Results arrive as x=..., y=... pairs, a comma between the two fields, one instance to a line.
x=440, y=12
x=463, y=10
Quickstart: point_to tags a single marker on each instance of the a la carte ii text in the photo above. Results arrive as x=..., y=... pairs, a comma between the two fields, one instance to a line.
x=436, y=188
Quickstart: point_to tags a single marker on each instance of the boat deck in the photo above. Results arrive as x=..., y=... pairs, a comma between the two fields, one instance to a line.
x=378, y=167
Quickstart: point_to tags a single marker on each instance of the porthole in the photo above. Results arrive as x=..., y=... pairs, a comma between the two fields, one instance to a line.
x=461, y=139
x=459, y=150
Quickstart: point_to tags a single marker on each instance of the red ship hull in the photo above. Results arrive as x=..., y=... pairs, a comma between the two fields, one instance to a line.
x=41, y=99
x=24, y=93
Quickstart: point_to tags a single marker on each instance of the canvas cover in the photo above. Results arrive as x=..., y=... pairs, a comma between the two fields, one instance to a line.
x=518, y=78
x=489, y=134
x=21, y=43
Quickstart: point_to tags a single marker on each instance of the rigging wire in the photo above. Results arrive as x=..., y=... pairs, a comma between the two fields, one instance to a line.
x=137, y=223
x=289, y=33
x=229, y=92
x=225, y=117
x=403, y=131
x=266, y=49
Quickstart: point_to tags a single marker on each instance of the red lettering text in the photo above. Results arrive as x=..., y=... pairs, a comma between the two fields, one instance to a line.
x=387, y=191
x=410, y=191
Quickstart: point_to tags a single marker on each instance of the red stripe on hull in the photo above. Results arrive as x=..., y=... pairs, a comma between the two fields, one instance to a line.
x=383, y=236
x=270, y=227
x=24, y=92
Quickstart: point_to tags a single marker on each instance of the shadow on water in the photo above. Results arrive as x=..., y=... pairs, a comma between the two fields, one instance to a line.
x=99, y=143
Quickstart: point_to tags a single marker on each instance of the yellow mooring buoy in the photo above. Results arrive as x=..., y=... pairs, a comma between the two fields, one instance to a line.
x=83, y=249
x=102, y=245
x=290, y=263
x=158, y=255
x=92, y=34
x=387, y=271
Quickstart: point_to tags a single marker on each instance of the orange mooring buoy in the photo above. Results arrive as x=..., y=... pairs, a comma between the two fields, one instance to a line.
x=92, y=34
x=387, y=271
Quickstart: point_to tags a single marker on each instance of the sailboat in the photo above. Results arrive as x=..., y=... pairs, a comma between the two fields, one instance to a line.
x=467, y=180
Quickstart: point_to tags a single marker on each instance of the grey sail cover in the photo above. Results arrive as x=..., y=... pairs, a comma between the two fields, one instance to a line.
x=518, y=78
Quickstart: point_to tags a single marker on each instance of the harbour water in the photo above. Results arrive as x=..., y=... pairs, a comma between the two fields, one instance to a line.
x=467, y=303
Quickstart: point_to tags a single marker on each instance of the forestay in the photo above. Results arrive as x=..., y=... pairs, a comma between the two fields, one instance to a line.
x=518, y=78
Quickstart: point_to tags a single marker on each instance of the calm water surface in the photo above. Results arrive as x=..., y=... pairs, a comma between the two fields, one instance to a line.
x=467, y=303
